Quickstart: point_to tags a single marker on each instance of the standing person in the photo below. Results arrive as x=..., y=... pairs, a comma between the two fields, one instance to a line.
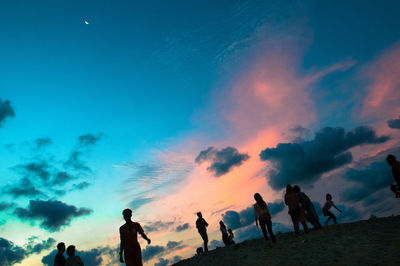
x=295, y=211
x=73, y=260
x=201, y=226
x=263, y=217
x=392, y=161
x=59, y=260
x=308, y=207
x=225, y=237
x=130, y=248
x=231, y=236
x=325, y=210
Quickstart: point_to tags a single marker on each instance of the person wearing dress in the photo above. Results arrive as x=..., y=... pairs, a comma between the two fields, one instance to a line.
x=295, y=211
x=130, y=248
x=308, y=207
x=225, y=237
x=231, y=236
x=263, y=217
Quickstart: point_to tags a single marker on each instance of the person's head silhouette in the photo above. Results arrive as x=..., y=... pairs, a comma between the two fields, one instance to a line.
x=127, y=213
x=390, y=159
x=296, y=189
x=328, y=197
x=258, y=197
x=61, y=247
x=71, y=251
x=221, y=223
x=199, y=215
x=288, y=188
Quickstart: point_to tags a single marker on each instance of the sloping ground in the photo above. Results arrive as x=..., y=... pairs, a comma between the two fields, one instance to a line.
x=370, y=242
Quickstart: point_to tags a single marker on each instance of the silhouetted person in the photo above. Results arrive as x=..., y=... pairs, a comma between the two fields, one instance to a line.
x=199, y=251
x=201, y=226
x=325, y=210
x=263, y=217
x=73, y=260
x=231, y=236
x=130, y=248
x=391, y=160
x=295, y=211
x=396, y=190
x=59, y=260
x=308, y=207
x=225, y=237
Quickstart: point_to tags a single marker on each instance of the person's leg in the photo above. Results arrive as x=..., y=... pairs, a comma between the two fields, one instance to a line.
x=205, y=239
x=311, y=219
x=305, y=227
x=271, y=234
x=263, y=229
x=332, y=216
x=295, y=224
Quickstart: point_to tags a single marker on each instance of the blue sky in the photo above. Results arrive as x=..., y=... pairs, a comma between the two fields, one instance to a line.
x=153, y=84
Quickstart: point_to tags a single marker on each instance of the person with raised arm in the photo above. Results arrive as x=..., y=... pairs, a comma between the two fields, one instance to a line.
x=130, y=248
x=325, y=210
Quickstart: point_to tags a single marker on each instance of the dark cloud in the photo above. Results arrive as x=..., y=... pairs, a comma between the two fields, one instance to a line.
x=10, y=253
x=24, y=188
x=349, y=213
x=39, y=247
x=394, y=123
x=151, y=251
x=182, y=227
x=5, y=111
x=74, y=162
x=222, y=161
x=61, y=178
x=370, y=179
x=6, y=206
x=43, y=142
x=157, y=226
x=52, y=214
x=139, y=202
x=235, y=220
x=89, y=139
x=40, y=169
x=174, y=245
x=175, y=259
x=276, y=207
x=161, y=262
x=80, y=186
x=247, y=232
x=304, y=162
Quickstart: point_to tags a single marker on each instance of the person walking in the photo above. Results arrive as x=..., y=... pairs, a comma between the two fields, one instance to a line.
x=130, y=248
x=295, y=211
x=262, y=216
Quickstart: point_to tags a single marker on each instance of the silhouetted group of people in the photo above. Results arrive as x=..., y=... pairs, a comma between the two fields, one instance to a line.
x=301, y=210
x=73, y=260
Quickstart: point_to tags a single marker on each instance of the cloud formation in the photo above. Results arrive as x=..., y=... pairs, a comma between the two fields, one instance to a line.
x=370, y=179
x=80, y=186
x=157, y=226
x=182, y=227
x=304, y=162
x=42, y=142
x=5, y=111
x=245, y=217
x=52, y=214
x=74, y=162
x=151, y=251
x=394, y=123
x=39, y=247
x=10, y=253
x=222, y=161
x=24, y=188
x=89, y=139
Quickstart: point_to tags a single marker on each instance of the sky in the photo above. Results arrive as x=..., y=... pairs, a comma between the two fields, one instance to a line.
x=175, y=107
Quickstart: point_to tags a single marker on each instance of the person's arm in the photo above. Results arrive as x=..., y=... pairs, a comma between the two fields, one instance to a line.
x=145, y=237
x=255, y=216
x=335, y=207
x=205, y=222
x=121, y=251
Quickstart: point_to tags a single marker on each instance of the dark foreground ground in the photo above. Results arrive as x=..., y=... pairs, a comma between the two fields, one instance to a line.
x=370, y=242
